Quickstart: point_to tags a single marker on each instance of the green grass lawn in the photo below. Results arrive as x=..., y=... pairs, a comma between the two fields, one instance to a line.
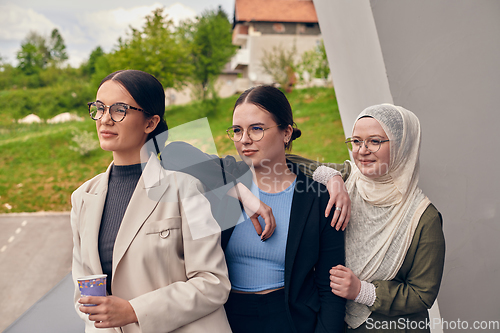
x=38, y=170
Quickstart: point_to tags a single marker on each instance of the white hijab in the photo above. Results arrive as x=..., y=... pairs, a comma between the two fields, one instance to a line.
x=386, y=210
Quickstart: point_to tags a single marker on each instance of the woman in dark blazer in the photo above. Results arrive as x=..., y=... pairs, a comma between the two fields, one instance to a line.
x=280, y=284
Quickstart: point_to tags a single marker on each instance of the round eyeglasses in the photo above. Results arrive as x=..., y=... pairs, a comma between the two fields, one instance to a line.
x=254, y=132
x=371, y=144
x=117, y=111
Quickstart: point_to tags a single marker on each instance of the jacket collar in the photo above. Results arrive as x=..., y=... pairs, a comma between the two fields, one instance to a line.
x=93, y=202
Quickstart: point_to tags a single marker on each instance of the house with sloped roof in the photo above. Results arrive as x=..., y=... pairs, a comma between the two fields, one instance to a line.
x=263, y=24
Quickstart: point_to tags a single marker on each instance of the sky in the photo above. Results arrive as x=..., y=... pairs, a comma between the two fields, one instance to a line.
x=86, y=24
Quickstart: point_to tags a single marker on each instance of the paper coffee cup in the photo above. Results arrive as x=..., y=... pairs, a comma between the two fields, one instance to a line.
x=92, y=285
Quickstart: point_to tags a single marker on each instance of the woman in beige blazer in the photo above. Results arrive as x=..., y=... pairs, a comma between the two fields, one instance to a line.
x=140, y=224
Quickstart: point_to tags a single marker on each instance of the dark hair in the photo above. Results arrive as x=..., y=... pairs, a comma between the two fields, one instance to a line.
x=147, y=91
x=275, y=102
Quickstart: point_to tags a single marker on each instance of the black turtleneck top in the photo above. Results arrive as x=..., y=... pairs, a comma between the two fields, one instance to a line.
x=122, y=182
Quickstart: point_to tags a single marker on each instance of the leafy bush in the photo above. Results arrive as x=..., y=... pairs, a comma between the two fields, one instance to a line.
x=280, y=63
x=45, y=102
x=314, y=64
x=85, y=143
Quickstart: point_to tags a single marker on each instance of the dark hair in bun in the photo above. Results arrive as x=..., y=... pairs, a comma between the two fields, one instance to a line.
x=275, y=102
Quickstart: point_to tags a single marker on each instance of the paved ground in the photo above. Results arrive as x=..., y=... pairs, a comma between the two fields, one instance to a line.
x=35, y=254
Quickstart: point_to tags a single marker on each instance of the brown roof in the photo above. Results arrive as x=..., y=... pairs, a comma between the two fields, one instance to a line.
x=275, y=11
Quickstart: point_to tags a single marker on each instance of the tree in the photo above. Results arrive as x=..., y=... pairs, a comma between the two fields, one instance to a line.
x=280, y=64
x=211, y=49
x=157, y=49
x=89, y=68
x=314, y=64
x=34, y=53
x=7, y=74
x=323, y=67
x=37, y=53
x=57, y=48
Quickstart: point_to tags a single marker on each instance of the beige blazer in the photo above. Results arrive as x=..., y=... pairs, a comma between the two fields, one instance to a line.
x=175, y=282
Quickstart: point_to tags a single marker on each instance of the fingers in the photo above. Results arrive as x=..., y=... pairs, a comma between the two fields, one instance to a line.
x=267, y=214
x=336, y=222
x=341, y=218
x=340, y=199
x=255, y=208
x=341, y=268
x=329, y=206
x=343, y=214
x=348, y=217
x=92, y=300
x=335, y=201
x=337, y=285
x=267, y=232
x=90, y=310
x=256, y=224
x=344, y=283
x=341, y=283
x=110, y=311
x=344, y=217
x=98, y=317
x=340, y=271
x=270, y=226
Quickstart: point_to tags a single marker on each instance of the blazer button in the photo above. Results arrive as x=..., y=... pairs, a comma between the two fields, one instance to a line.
x=164, y=234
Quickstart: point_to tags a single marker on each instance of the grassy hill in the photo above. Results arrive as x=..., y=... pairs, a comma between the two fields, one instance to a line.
x=39, y=171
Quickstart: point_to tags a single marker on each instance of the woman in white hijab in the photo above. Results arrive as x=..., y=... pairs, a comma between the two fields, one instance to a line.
x=394, y=241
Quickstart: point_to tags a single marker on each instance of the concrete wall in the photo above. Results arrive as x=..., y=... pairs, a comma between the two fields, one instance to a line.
x=440, y=59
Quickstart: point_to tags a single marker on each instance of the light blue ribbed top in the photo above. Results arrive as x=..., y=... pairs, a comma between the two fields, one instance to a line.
x=255, y=265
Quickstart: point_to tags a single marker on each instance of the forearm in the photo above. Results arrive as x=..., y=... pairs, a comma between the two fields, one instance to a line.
x=308, y=167
x=183, y=157
x=400, y=298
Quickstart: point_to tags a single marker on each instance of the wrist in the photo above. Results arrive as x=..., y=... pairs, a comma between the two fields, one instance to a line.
x=323, y=174
x=367, y=294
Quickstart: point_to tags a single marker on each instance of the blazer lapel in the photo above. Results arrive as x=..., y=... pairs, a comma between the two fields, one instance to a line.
x=301, y=206
x=93, y=201
x=142, y=203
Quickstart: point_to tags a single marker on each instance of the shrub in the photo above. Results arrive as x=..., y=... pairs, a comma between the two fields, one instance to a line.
x=85, y=143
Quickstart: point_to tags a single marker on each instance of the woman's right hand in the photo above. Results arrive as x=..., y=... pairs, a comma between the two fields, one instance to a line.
x=266, y=213
x=109, y=311
x=255, y=208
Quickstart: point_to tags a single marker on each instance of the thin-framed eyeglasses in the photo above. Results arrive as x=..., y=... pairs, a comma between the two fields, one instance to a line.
x=372, y=144
x=117, y=111
x=254, y=132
